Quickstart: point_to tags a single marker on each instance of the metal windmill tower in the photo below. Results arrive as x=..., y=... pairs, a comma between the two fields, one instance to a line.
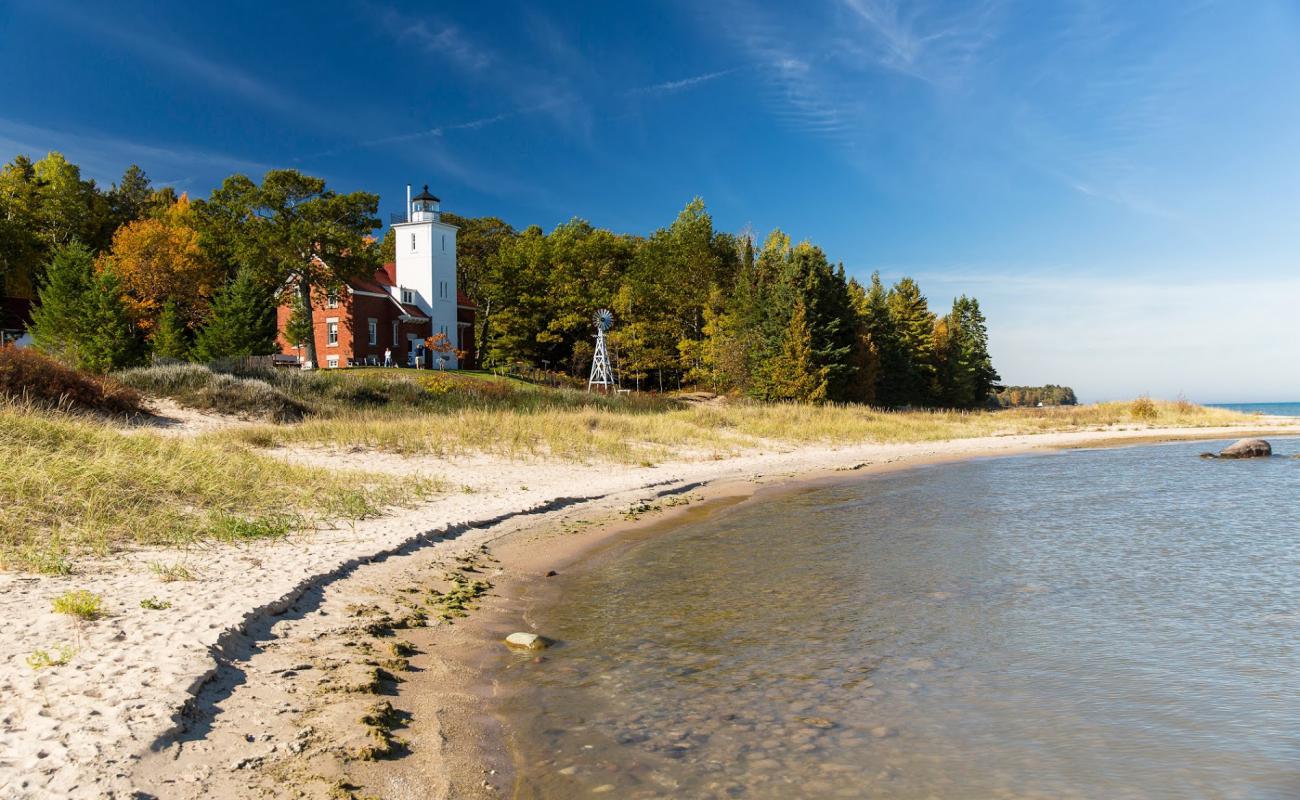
x=602, y=374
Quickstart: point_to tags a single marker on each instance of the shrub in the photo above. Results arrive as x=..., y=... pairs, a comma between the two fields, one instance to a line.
x=79, y=603
x=1142, y=408
x=41, y=659
x=27, y=376
x=199, y=387
x=154, y=604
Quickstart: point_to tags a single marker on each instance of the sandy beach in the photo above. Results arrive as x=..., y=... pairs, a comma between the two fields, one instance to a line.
x=322, y=665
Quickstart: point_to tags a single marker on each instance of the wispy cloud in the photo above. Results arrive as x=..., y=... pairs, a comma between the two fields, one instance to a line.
x=668, y=87
x=444, y=40
x=104, y=157
x=919, y=40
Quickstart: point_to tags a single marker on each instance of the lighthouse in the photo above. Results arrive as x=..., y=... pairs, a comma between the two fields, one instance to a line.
x=426, y=269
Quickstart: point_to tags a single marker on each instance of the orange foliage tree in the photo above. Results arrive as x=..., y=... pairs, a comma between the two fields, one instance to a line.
x=441, y=344
x=159, y=259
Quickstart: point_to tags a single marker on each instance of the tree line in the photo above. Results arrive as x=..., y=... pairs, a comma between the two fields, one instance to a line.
x=1033, y=396
x=123, y=273
x=698, y=307
x=132, y=270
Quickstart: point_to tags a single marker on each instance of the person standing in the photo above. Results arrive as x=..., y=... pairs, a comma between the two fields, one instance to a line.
x=388, y=356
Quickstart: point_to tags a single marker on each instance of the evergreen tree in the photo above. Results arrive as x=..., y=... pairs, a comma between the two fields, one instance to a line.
x=865, y=354
x=131, y=199
x=912, y=325
x=171, y=339
x=966, y=376
x=242, y=322
x=59, y=318
x=109, y=341
x=797, y=377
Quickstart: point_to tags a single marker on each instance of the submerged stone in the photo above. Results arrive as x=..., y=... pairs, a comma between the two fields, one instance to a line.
x=525, y=641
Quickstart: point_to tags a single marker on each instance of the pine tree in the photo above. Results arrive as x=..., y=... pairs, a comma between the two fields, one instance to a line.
x=109, y=341
x=59, y=319
x=912, y=325
x=966, y=376
x=242, y=322
x=797, y=377
x=865, y=355
x=171, y=339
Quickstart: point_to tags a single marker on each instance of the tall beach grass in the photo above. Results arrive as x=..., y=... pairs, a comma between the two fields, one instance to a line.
x=607, y=433
x=76, y=485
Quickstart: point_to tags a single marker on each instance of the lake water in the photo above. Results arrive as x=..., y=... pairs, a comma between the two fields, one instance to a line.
x=1088, y=624
x=1267, y=409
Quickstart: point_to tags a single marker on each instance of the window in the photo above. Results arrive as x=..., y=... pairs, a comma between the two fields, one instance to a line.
x=444, y=242
x=408, y=296
x=332, y=333
x=332, y=362
x=374, y=331
x=394, y=333
x=413, y=243
x=332, y=299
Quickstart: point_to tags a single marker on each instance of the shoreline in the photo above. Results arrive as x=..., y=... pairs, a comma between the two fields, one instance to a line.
x=159, y=707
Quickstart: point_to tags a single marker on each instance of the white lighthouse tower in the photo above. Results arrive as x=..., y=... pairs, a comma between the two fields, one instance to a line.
x=426, y=268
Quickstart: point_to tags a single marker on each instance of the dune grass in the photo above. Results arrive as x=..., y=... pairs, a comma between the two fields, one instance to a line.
x=645, y=435
x=75, y=485
x=287, y=395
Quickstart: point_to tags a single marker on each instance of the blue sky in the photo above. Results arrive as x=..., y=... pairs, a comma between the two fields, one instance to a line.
x=1119, y=183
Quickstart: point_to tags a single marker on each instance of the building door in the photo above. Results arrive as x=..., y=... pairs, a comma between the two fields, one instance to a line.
x=413, y=355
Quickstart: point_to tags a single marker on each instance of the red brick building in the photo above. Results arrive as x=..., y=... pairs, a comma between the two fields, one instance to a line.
x=356, y=326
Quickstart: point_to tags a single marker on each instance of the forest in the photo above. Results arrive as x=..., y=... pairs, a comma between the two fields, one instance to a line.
x=1032, y=396
x=133, y=271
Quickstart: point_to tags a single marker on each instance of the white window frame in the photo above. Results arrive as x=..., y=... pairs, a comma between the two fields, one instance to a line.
x=408, y=296
x=332, y=332
x=332, y=299
x=372, y=326
x=395, y=342
x=331, y=362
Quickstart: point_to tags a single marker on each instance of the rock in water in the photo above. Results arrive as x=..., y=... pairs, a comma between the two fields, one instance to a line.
x=1247, y=448
x=525, y=641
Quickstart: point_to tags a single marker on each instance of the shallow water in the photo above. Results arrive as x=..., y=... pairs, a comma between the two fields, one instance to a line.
x=1089, y=624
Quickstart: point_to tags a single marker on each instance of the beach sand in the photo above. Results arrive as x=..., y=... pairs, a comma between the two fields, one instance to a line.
x=254, y=682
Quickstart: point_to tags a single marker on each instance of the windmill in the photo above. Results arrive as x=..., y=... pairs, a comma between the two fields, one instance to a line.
x=602, y=375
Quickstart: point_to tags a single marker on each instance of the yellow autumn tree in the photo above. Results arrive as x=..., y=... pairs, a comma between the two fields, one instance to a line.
x=158, y=260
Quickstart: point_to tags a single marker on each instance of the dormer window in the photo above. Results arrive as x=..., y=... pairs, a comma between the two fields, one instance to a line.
x=408, y=296
x=332, y=299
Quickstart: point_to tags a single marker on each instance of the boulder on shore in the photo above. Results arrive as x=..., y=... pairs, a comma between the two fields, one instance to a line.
x=1247, y=448
x=525, y=641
